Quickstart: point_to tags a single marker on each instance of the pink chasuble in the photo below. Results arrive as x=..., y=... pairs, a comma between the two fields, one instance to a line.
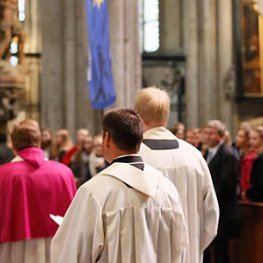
x=30, y=190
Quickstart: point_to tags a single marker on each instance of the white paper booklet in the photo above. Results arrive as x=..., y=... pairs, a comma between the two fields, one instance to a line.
x=57, y=219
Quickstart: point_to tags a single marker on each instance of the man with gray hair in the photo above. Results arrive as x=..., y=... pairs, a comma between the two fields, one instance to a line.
x=184, y=165
x=223, y=167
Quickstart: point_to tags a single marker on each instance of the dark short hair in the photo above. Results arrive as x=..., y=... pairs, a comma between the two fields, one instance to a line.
x=125, y=127
x=26, y=134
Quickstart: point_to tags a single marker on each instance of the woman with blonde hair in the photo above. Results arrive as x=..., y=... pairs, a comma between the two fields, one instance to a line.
x=247, y=156
x=255, y=192
x=62, y=143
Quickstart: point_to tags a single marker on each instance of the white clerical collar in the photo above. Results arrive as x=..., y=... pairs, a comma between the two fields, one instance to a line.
x=125, y=155
x=158, y=133
x=146, y=181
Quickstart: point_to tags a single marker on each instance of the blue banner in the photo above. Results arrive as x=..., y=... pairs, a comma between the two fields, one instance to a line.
x=100, y=80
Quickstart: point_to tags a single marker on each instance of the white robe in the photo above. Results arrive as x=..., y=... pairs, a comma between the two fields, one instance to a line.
x=187, y=169
x=123, y=215
x=36, y=250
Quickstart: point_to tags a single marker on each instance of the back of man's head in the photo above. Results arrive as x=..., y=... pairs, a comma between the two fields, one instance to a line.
x=153, y=105
x=125, y=128
x=26, y=134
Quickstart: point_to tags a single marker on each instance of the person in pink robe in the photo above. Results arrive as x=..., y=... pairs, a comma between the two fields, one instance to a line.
x=31, y=189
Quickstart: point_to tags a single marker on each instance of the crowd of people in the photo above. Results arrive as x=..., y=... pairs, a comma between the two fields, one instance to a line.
x=125, y=209
x=246, y=146
x=85, y=157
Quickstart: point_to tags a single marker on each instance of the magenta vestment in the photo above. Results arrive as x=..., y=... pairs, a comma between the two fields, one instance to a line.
x=30, y=190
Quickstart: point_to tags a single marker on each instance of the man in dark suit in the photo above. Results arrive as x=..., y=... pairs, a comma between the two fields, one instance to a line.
x=223, y=167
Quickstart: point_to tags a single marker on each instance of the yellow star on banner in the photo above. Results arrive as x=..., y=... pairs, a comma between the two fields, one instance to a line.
x=97, y=3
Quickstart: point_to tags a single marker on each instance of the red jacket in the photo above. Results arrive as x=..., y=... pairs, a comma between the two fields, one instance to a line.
x=67, y=157
x=245, y=170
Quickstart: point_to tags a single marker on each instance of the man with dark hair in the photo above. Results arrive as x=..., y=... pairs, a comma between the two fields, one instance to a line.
x=128, y=212
x=31, y=188
x=126, y=130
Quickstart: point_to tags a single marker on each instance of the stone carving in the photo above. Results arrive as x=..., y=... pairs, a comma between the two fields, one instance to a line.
x=229, y=83
x=10, y=26
x=173, y=82
x=11, y=78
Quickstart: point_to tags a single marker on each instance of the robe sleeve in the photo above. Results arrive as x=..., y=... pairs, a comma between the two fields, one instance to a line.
x=182, y=233
x=80, y=238
x=211, y=210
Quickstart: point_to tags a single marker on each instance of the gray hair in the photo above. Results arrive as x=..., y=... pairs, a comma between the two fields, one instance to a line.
x=219, y=126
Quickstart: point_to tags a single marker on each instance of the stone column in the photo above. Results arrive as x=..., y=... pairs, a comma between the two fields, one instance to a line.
x=32, y=50
x=69, y=38
x=132, y=52
x=227, y=110
x=126, y=59
x=208, y=89
x=171, y=26
x=208, y=45
x=32, y=26
x=51, y=90
x=191, y=45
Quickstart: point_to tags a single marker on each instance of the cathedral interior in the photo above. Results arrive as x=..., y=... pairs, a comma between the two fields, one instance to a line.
x=207, y=56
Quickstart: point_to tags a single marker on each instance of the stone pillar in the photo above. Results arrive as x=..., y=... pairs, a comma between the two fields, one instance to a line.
x=208, y=46
x=32, y=26
x=52, y=112
x=132, y=52
x=32, y=50
x=126, y=59
x=227, y=108
x=208, y=88
x=170, y=27
x=191, y=45
x=68, y=60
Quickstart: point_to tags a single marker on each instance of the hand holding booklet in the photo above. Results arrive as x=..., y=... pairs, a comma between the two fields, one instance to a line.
x=57, y=219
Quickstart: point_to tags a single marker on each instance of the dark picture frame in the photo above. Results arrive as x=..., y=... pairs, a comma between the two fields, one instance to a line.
x=248, y=42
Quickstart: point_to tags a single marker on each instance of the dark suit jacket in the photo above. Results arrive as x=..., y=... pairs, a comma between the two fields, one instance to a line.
x=255, y=193
x=224, y=171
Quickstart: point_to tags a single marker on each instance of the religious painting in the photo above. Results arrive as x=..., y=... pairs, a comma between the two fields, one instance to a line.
x=251, y=45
